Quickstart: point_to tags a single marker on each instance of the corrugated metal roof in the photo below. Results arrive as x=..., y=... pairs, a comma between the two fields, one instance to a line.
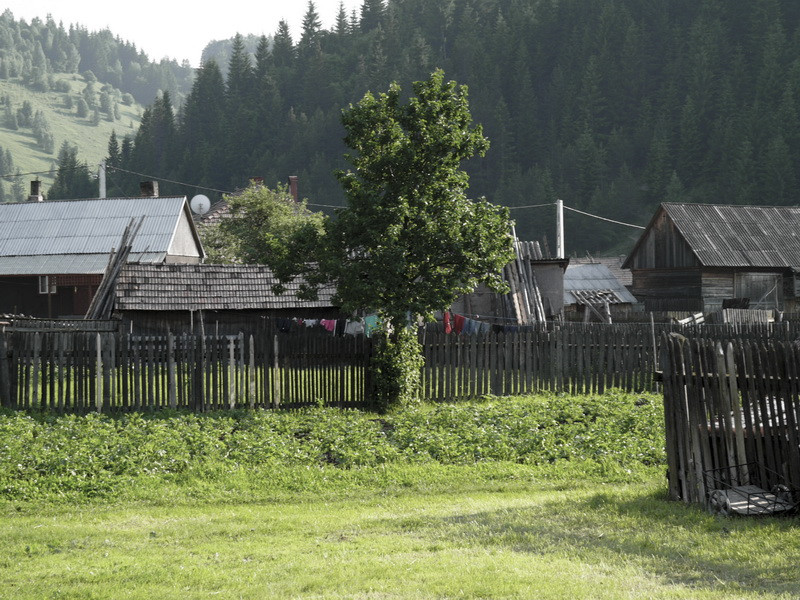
x=596, y=278
x=739, y=236
x=614, y=264
x=86, y=226
x=207, y=287
x=48, y=264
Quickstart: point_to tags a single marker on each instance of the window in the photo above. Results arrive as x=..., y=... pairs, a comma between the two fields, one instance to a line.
x=46, y=285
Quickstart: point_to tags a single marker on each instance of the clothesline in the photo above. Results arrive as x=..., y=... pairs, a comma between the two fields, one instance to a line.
x=462, y=324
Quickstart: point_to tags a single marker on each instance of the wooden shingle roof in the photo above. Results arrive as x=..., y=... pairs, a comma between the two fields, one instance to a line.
x=207, y=287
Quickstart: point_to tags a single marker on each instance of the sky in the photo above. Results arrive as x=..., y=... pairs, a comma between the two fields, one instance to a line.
x=177, y=29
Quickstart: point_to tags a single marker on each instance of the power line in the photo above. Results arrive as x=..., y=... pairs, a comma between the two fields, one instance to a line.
x=26, y=174
x=115, y=184
x=602, y=218
x=200, y=187
x=531, y=206
x=191, y=185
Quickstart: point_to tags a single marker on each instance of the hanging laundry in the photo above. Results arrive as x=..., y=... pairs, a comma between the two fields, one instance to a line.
x=354, y=328
x=328, y=324
x=470, y=327
x=340, y=325
x=485, y=328
x=459, y=323
x=370, y=324
x=310, y=322
x=448, y=328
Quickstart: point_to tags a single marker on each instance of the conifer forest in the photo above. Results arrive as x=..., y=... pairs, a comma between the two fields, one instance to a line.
x=612, y=106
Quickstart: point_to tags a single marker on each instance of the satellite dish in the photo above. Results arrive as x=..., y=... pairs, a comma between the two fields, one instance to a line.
x=200, y=204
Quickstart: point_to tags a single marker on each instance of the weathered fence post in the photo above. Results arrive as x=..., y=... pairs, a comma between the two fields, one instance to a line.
x=241, y=392
x=276, y=388
x=98, y=374
x=251, y=391
x=109, y=352
x=5, y=375
x=37, y=348
x=171, y=380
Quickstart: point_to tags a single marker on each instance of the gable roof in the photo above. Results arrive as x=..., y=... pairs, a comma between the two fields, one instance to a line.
x=594, y=281
x=722, y=235
x=207, y=287
x=76, y=236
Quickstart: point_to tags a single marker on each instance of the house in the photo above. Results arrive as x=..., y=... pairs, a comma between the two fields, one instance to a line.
x=593, y=290
x=154, y=298
x=53, y=254
x=701, y=257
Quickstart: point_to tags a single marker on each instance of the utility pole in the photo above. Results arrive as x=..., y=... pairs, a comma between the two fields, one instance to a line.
x=101, y=176
x=559, y=229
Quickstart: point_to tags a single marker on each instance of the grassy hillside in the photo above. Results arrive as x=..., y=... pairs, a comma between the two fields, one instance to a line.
x=64, y=124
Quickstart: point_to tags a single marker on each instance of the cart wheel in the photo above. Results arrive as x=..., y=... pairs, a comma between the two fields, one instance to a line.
x=719, y=504
x=782, y=493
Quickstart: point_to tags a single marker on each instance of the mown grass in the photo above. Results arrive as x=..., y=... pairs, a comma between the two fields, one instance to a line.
x=547, y=497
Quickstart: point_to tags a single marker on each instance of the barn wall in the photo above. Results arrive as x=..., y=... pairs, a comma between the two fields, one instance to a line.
x=230, y=322
x=667, y=284
x=20, y=295
x=716, y=287
x=663, y=248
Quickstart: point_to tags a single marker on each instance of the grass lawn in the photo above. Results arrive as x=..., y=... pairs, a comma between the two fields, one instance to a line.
x=507, y=531
x=543, y=497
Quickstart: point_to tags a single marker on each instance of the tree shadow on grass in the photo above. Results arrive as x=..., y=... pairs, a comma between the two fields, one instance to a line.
x=679, y=543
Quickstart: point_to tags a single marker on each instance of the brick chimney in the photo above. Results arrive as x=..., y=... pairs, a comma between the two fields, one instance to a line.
x=36, y=192
x=148, y=189
x=293, y=187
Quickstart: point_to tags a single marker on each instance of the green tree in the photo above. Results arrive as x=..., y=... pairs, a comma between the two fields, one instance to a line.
x=17, y=188
x=114, y=155
x=259, y=226
x=82, y=108
x=72, y=178
x=409, y=241
x=10, y=119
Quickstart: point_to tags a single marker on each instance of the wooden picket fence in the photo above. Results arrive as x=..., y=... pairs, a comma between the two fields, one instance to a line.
x=66, y=370
x=732, y=408
x=87, y=371
x=575, y=359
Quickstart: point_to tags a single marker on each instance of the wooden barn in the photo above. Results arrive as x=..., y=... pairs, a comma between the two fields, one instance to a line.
x=704, y=257
x=53, y=254
x=227, y=298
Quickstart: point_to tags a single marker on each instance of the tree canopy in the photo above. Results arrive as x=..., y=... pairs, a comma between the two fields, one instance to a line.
x=258, y=227
x=410, y=240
